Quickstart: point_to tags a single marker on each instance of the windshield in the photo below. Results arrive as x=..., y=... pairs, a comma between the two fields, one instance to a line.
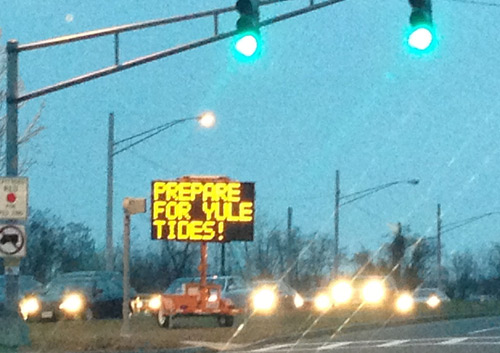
x=60, y=286
x=347, y=151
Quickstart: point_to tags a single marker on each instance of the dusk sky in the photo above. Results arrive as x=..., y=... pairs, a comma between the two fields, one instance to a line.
x=334, y=89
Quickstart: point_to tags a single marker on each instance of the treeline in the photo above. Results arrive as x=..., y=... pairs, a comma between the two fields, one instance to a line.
x=304, y=260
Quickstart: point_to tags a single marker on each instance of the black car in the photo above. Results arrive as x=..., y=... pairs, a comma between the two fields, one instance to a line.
x=85, y=295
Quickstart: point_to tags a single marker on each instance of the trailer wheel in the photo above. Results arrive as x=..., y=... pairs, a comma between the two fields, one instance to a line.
x=164, y=321
x=225, y=320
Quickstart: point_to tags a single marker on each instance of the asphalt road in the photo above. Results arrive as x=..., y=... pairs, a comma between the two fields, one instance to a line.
x=457, y=336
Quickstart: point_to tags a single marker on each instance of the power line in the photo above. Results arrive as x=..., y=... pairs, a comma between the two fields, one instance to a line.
x=480, y=3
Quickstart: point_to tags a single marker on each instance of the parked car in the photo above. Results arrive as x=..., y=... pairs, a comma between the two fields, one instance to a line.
x=146, y=303
x=433, y=297
x=86, y=295
x=232, y=287
x=27, y=285
x=271, y=295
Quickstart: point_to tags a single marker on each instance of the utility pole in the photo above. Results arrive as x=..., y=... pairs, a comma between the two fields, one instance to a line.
x=131, y=206
x=290, y=243
x=438, y=252
x=336, y=225
x=109, y=205
x=125, y=329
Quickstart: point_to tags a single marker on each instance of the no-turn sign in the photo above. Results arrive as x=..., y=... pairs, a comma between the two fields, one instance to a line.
x=12, y=240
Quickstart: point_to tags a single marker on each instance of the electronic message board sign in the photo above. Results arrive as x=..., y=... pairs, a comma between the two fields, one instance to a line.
x=202, y=210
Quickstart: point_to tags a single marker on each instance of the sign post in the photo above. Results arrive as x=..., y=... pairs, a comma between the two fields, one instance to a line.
x=130, y=206
x=13, y=215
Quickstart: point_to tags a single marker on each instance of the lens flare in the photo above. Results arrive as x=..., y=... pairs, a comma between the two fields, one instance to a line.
x=264, y=300
x=405, y=303
x=420, y=38
x=373, y=292
x=341, y=292
x=322, y=302
x=72, y=303
x=247, y=45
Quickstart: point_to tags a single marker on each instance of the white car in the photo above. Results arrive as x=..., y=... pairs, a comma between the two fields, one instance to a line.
x=433, y=297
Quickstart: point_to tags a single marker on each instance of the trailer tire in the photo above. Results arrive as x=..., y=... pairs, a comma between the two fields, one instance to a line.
x=225, y=320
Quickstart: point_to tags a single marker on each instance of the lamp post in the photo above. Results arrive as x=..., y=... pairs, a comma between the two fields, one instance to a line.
x=206, y=120
x=349, y=199
x=447, y=228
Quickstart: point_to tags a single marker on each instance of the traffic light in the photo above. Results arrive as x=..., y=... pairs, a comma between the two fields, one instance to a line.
x=247, y=42
x=421, y=37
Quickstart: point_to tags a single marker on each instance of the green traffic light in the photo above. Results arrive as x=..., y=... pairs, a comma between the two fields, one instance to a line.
x=247, y=46
x=421, y=39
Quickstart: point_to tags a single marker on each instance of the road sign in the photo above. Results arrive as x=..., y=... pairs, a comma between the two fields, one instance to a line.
x=202, y=209
x=12, y=240
x=14, y=198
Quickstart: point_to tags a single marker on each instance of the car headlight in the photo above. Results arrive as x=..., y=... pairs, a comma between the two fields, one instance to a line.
x=373, y=292
x=29, y=306
x=298, y=301
x=322, y=302
x=72, y=303
x=154, y=303
x=405, y=303
x=264, y=300
x=341, y=292
x=433, y=301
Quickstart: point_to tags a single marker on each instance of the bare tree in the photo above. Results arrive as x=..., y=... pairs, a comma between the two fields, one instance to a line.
x=465, y=268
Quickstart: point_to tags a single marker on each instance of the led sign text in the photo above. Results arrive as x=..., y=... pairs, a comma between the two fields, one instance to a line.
x=207, y=211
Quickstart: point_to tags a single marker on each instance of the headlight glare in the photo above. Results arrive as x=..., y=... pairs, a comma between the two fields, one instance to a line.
x=433, y=301
x=405, y=303
x=298, y=301
x=322, y=302
x=374, y=292
x=341, y=292
x=154, y=303
x=72, y=303
x=29, y=306
x=264, y=300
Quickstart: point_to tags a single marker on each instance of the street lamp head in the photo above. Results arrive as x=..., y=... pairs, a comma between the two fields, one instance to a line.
x=207, y=119
x=413, y=181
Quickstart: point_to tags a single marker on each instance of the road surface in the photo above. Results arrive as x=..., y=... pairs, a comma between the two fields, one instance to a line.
x=457, y=336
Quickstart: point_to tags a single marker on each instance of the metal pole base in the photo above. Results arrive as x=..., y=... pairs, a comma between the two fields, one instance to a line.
x=14, y=332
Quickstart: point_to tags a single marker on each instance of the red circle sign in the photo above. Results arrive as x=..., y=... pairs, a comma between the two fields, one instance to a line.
x=11, y=197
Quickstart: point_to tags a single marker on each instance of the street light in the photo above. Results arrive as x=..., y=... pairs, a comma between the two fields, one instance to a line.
x=449, y=227
x=206, y=120
x=349, y=199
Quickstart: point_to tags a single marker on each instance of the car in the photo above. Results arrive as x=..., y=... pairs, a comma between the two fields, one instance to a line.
x=146, y=303
x=432, y=297
x=271, y=295
x=27, y=285
x=83, y=295
x=232, y=287
x=369, y=291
